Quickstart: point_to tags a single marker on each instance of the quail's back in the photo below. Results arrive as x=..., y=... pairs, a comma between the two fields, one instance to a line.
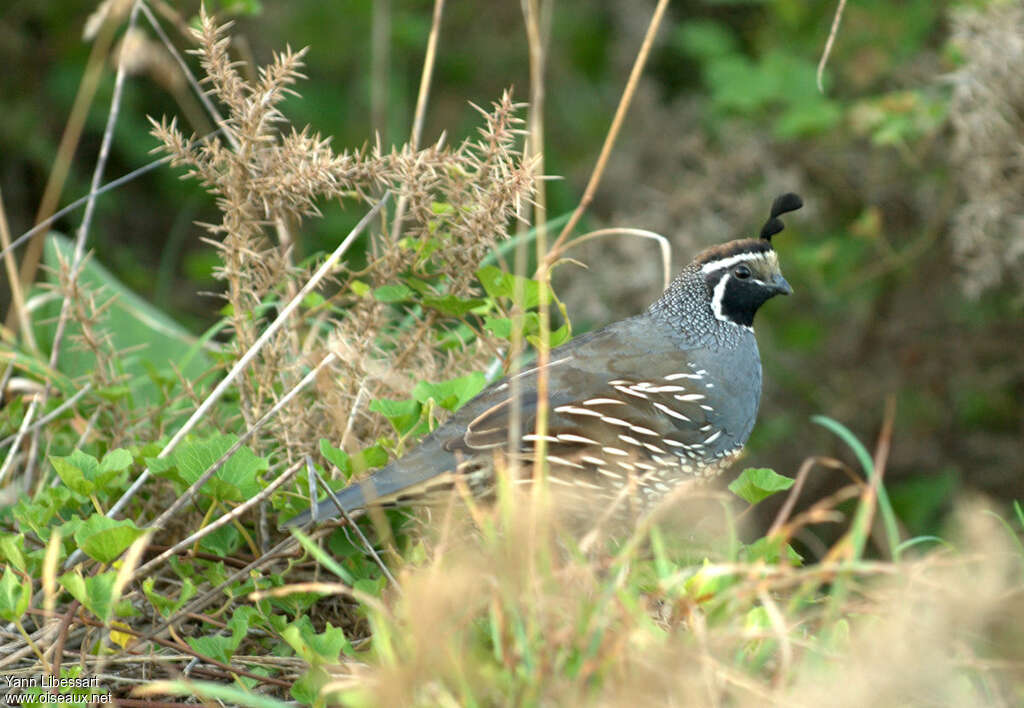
x=637, y=407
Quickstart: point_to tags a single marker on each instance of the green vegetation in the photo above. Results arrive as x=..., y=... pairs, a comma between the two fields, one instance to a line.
x=870, y=554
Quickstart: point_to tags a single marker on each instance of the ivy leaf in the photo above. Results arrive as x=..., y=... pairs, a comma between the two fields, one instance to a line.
x=756, y=484
x=453, y=394
x=403, y=415
x=15, y=596
x=96, y=593
x=336, y=456
x=397, y=292
x=451, y=305
x=104, y=539
x=85, y=475
x=236, y=481
x=499, y=284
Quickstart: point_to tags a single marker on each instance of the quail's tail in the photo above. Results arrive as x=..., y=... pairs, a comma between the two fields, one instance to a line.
x=415, y=475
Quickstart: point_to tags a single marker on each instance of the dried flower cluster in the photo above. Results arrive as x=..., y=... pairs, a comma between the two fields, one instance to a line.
x=988, y=116
x=456, y=203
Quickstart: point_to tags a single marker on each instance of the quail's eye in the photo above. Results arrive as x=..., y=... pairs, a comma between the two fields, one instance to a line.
x=742, y=272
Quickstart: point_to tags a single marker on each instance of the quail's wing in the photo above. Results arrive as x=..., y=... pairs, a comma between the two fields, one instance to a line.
x=602, y=412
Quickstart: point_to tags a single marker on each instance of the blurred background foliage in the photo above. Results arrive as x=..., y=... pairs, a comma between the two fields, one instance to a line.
x=906, y=261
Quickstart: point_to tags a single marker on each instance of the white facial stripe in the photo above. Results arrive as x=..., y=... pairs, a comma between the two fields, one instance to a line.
x=716, y=304
x=733, y=260
x=716, y=298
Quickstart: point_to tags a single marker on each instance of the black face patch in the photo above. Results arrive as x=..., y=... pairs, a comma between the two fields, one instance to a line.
x=739, y=300
x=741, y=286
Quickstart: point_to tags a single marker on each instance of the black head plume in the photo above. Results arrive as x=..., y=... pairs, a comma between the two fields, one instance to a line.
x=783, y=204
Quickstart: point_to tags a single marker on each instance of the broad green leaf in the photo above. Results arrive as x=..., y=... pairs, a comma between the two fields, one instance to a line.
x=397, y=292
x=324, y=648
x=221, y=647
x=502, y=326
x=96, y=593
x=236, y=481
x=704, y=39
x=403, y=415
x=498, y=284
x=756, y=484
x=104, y=539
x=222, y=542
x=452, y=305
x=167, y=606
x=15, y=596
x=336, y=456
x=770, y=550
x=78, y=471
x=36, y=514
x=116, y=461
x=83, y=474
x=12, y=550
x=452, y=394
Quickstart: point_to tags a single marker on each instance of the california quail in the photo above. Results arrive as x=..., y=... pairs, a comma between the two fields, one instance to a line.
x=652, y=401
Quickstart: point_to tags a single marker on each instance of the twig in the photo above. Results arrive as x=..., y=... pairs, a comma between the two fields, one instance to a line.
x=421, y=105
x=284, y=548
x=17, y=296
x=26, y=425
x=45, y=223
x=219, y=523
x=666, y=247
x=50, y=416
x=83, y=229
x=829, y=42
x=193, y=489
x=353, y=525
x=613, y=132
x=794, y=493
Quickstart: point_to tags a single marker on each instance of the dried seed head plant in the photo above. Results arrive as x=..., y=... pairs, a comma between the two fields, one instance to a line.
x=267, y=176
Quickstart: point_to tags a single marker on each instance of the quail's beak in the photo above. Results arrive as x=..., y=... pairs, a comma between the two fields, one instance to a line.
x=780, y=285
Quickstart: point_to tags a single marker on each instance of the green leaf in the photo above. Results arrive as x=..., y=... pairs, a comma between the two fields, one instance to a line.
x=78, y=471
x=36, y=514
x=167, y=606
x=336, y=456
x=769, y=550
x=368, y=458
x=96, y=593
x=221, y=647
x=359, y=288
x=104, y=539
x=451, y=305
x=756, y=484
x=12, y=550
x=397, y=292
x=499, y=284
x=15, y=596
x=403, y=415
x=116, y=461
x=222, y=542
x=236, y=481
x=503, y=326
x=452, y=394
x=324, y=648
